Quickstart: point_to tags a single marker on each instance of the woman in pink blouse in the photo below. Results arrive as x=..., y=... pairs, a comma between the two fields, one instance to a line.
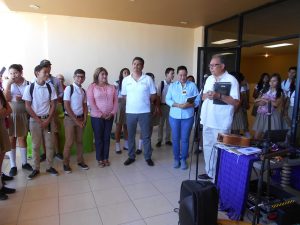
x=103, y=101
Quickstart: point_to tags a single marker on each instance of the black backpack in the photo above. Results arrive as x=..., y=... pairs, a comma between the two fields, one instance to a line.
x=32, y=87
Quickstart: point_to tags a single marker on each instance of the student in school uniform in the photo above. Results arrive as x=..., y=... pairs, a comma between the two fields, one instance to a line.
x=75, y=105
x=58, y=106
x=5, y=111
x=18, y=128
x=39, y=100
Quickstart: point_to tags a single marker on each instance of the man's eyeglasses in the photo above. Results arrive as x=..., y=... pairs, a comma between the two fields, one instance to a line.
x=213, y=65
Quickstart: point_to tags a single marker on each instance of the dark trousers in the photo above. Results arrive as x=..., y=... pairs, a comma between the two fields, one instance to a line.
x=102, y=130
x=144, y=120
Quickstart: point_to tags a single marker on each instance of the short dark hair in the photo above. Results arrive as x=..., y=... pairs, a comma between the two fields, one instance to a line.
x=181, y=68
x=138, y=59
x=293, y=68
x=150, y=75
x=79, y=71
x=17, y=67
x=220, y=57
x=45, y=62
x=37, y=69
x=168, y=70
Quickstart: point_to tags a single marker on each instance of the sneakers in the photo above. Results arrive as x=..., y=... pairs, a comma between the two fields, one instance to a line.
x=169, y=143
x=184, y=165
x=124, y=148
x=52, y=171
x=13, y=171
x=138, y=152
x=106, y=162
x=119, y=152
x=33, y=174
x=158, y=144
x=83, y=166
x=42, y=157
x=27, y=166
x=7, y=190
x=101, y=164
x=204, y=177
x=129, y=161
x=59, y=156
x=67, y=169
x=176, y=164
x=150, y=162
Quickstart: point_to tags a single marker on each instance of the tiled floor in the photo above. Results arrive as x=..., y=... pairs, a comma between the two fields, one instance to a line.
x=132, y=195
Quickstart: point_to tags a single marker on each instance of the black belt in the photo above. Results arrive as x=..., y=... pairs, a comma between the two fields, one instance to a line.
x=43, y=117
x=78, y=117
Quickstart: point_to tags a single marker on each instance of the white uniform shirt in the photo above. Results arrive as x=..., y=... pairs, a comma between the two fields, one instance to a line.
x=285, y=86
x=164, y=91
x=138, y=93
x=18, y=90
x=77, y=99
x=40, y=102
x=292, y=99
x=219, y=116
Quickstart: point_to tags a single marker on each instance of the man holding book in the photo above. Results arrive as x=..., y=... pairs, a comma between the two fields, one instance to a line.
x=220, y=96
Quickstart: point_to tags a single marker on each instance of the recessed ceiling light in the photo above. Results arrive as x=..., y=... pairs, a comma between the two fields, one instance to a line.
x=183, y=22
x=224, y=41
x=132, y=0
x=278, y=45
x=34, y=6
x=266, y=55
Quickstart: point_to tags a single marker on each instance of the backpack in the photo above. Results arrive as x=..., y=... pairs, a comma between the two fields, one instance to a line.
x=71, y=93
x=162, y=87
x=32, y=87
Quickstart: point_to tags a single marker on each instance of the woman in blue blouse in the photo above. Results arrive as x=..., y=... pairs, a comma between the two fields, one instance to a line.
x=181, y=115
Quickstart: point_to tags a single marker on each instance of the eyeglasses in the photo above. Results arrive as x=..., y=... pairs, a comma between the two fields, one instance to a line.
x=213, y=65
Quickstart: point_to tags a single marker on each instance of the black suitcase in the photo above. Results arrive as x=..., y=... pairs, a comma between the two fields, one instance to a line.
x=198, y=203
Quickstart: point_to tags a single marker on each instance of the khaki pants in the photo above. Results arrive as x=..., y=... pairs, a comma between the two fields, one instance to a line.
x=165, y=109
x=73, y=133
x=36, y=133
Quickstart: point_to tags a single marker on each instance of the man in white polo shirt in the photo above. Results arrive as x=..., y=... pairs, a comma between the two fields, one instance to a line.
x=216, y=118
x=75, y=104
x=39, y=100
x=139, y=91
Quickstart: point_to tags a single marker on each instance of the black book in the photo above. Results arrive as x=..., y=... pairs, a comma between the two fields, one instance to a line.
x=224, y=89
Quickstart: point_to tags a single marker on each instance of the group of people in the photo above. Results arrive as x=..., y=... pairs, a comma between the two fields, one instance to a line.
x=132, y=100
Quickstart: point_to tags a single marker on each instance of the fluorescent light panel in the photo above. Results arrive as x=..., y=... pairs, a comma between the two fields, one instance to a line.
x=224, y=41
x=278, y=45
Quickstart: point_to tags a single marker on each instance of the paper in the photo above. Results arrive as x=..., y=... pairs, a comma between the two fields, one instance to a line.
x=249, y=150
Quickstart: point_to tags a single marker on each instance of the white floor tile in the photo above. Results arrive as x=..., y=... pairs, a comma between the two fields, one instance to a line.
x=74, y=187
x=141, y=190
x=110, y=196
x=76, y=202
x=86, y=217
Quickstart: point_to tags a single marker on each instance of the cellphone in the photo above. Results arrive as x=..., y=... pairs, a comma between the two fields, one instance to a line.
x=2, y=71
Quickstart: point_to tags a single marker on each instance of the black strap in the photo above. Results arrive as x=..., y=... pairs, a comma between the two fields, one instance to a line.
x=32, y=87
x=162, y=87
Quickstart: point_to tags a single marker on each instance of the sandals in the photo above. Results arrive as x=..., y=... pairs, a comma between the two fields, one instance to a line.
x=103, y=163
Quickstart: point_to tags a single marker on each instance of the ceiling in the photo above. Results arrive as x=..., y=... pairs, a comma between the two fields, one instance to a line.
x=164, y=12
x=260, y=50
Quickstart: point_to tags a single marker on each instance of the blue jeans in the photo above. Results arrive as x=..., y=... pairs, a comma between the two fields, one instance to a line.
x=144, y=120
x=102, y=130
x=181, y=130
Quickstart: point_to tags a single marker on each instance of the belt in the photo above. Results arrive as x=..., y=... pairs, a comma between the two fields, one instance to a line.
x=163, y=103
x=78, y=117
x=43, y=117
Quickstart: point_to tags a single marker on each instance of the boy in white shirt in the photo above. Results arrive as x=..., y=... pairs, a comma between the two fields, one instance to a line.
x=75, y=105
x=40, y=100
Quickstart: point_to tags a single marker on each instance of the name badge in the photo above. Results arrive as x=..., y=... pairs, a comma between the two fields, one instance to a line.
x=183, y=92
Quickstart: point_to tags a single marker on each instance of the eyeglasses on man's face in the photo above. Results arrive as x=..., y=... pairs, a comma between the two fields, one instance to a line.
x=213, y=65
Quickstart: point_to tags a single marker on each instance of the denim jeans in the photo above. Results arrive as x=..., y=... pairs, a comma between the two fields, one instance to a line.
x=102, y=130
x=144, y=120
x=181, y=130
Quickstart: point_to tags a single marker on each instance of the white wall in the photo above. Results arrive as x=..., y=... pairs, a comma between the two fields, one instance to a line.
x=75, y=42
